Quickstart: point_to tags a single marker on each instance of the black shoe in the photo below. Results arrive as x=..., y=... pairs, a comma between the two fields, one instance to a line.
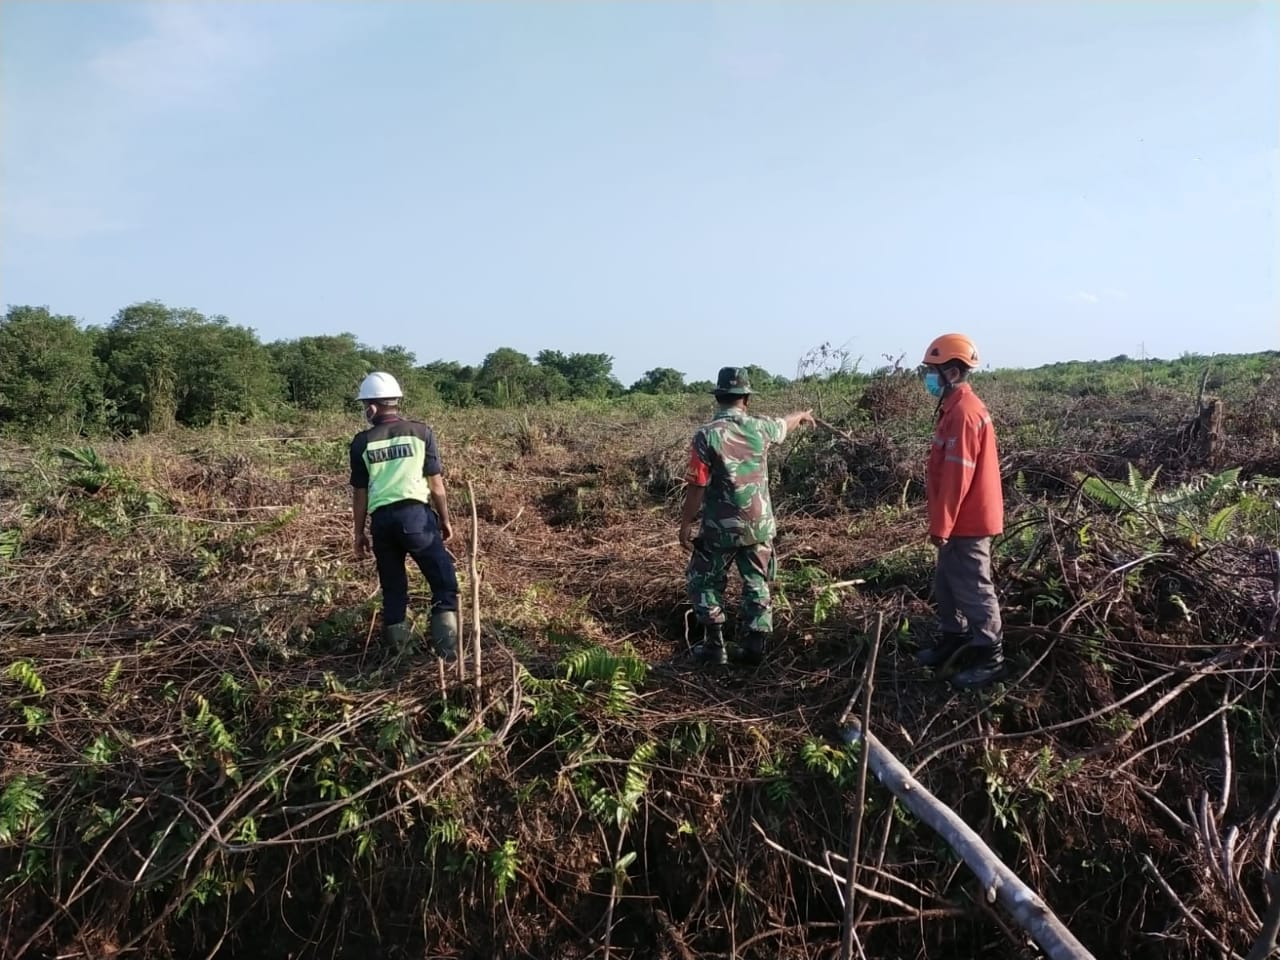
x=711, y=651
x=986, y=670
x=750, y=652
x=944, y=650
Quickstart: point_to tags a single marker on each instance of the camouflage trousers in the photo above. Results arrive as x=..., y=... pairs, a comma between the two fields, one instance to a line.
x=708, y=575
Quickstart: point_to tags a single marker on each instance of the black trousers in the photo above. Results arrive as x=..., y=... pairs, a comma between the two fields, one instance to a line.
x=403, y=529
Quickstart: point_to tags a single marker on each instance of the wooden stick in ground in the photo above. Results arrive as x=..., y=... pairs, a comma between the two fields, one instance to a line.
x=475, y=585
x=848, y=935
x=462, y=647
x=998, y=881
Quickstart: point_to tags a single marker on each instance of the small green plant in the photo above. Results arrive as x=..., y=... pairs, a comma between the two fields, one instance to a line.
x=1048, y=775
x=21, y=811
x=1190, y=509
x=112, y=678
x=600, y=666
x=445, y=831
x=617, y=674
x=778, y=787
x=636, y=782
x=504, y=863
x=23, y=673
x=33, y=717
x=812, y=579
x=101, y=751
x=1001, y=792
x=210, y=728
x=10, y=544
x=692, y=739
x=618, y=871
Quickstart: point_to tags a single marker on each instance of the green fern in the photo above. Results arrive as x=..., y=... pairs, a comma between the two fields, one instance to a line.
x=593, y=665
x=93, y=474
x=504, y=862
x=1217, y=525
x=836, y=763
x=211, y=725
x=10, y=543
x=101, y=752
x=86, y=457
x=23, y=672
x=446, y=831
x=112, y=678
x=1184, y=506
x=33, y=717
x=778, y=786
x=636, y=782
x=20, y=808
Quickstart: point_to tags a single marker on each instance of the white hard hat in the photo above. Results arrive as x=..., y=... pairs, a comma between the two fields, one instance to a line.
x=379, y=386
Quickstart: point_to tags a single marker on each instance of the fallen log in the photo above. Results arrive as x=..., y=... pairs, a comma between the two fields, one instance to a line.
x=998, y=881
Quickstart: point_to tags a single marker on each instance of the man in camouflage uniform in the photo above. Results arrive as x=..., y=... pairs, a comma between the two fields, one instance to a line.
x=728, y=480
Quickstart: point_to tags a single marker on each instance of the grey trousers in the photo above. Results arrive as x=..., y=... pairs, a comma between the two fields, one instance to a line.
x=964, y=592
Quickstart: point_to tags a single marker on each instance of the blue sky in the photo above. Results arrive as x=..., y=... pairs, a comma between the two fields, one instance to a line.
x=677, y=184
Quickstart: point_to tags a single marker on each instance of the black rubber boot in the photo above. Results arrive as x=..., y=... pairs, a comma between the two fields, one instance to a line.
x=711, y=652
x=944, y=650
x=750, y=652
x=987, y=668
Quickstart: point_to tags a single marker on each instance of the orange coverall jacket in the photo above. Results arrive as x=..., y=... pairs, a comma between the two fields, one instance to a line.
x=963, y=480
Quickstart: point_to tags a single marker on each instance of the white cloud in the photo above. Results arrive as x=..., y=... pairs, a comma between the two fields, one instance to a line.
x=185, y=51
x=1092, y=298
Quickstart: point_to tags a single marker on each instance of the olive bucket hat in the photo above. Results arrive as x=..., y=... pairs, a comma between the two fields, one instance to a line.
x=733, y=380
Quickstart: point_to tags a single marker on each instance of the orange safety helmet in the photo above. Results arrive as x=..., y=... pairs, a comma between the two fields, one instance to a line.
x=951, y=346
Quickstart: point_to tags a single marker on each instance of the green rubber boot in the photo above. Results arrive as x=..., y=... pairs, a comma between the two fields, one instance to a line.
x=398, y=639
x=444, y=633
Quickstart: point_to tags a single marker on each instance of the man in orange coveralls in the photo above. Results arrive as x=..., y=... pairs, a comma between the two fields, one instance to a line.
x=966, y=510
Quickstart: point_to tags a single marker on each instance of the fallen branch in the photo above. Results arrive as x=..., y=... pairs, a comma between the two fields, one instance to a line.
x=1266, y=942
x=843, y=435
x=998, y=881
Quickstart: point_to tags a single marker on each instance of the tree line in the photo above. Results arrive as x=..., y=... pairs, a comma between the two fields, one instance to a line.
x=155, y=366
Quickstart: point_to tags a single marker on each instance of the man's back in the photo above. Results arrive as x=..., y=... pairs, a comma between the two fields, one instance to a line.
x=392, y=459
x=729, y=456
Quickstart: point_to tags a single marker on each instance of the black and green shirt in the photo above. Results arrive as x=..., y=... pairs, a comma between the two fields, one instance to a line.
x=392, y=460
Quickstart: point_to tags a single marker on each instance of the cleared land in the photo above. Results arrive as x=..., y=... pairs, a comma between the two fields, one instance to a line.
x=205, y=752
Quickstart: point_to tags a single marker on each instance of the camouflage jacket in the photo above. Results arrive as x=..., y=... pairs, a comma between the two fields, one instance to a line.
x=729, y=456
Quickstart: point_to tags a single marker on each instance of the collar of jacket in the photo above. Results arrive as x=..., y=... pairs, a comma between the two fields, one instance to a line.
x=382, y=418
x=953, y=396
x=730, y=413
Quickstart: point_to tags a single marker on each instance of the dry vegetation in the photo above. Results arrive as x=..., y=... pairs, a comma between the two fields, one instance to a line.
x=205, y=753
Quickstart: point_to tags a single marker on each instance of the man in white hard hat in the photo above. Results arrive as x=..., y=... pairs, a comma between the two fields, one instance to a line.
x=395, y=474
